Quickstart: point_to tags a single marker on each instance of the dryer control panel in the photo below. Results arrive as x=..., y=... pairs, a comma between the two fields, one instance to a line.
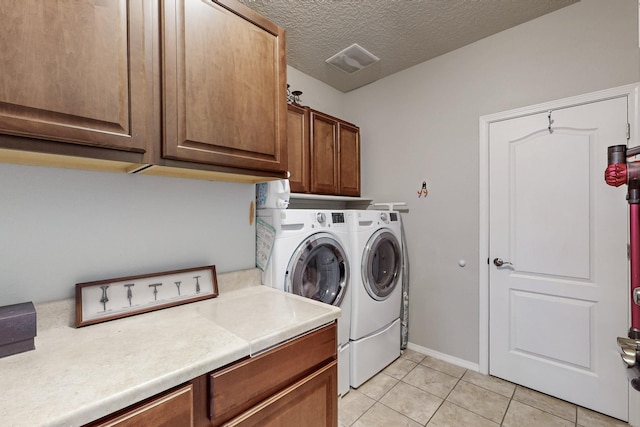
x=387, y=217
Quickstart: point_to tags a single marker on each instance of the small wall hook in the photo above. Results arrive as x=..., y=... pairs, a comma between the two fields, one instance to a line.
x=423, y=191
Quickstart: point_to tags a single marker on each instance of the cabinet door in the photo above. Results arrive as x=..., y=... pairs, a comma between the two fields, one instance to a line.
x=224, y=81
x=324, y=151
x=298, y=148
x=311, y=402
x=168, y=410
x=76, y=71
x=349, y=160
x=236, y=388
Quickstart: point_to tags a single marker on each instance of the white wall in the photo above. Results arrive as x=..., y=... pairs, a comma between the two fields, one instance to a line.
x=316, y=94
x=59, y=227
x=422, y=124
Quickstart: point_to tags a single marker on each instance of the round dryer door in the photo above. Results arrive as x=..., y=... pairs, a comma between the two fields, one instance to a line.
x=381, y=262
x=319, y=270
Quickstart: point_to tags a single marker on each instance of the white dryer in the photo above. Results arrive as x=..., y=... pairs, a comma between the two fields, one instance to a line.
x=310, y=258
x=376, y=243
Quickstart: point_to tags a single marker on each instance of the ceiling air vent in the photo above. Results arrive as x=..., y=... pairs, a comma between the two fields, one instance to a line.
x=352, y=59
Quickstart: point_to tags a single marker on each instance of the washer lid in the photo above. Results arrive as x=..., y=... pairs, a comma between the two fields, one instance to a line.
x=319, y=270
x=381, y=262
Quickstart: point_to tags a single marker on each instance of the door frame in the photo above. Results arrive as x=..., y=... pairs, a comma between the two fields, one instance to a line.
x=632, y=92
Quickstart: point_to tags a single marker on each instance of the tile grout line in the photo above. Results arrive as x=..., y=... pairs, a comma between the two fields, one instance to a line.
x=378, y=400
x=445, y=398
x=400, y=380
x=448, y=394
x=388, y=391
x=458, y=381
x=488, y=390
x=513, y=393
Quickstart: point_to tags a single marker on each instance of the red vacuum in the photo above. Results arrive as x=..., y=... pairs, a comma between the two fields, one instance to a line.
x=620, y=171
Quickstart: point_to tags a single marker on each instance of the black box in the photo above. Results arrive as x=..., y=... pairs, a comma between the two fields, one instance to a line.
x=17, y=328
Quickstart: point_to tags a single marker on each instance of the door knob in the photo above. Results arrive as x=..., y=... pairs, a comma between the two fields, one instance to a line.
x=498, y=262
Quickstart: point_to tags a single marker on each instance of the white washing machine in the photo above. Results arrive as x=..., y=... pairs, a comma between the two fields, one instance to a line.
x=376, y=243
x=310, y=258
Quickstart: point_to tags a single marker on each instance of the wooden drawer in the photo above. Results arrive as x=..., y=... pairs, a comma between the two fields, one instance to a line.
x=311, y=402
x=170, y=409
x=238, y=387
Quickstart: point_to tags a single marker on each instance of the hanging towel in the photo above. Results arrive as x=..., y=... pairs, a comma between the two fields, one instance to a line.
x=404, y=313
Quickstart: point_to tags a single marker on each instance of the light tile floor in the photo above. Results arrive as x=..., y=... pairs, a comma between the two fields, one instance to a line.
x=418, y=390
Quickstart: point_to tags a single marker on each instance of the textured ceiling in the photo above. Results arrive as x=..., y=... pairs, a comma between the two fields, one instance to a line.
x=401, y=33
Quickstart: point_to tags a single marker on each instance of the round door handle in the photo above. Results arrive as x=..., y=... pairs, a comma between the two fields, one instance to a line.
x=498, y=262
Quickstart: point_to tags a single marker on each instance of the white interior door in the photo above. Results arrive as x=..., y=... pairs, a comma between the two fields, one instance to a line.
x=556, y=311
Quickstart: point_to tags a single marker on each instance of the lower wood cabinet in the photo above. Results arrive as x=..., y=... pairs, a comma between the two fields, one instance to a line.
x=310, y=402
x=256, y=387
x=170, y=409
x=293, y=384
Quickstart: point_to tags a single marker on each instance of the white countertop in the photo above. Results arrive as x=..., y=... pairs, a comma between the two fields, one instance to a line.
x=79, y=375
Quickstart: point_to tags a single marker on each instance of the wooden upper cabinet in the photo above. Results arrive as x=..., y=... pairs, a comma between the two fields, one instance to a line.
x=75, y=71
x=335, y=156
x=224, y=86
x=324, y=154
x=349, y=160
x=298, y=148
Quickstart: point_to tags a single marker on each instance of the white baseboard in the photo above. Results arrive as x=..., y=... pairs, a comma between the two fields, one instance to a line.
x=634, y=407
x=445, y=357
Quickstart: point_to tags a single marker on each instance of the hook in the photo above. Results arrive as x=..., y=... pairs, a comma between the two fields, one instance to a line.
x=550, y=122
x=423, y=190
